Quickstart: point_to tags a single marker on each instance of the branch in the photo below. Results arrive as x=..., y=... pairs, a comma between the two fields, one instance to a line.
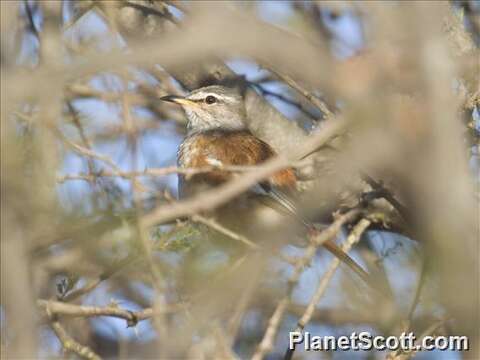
x=387, y=195
x=72, y=310
x=201, y=40
x=154, y=172
x=329, y=233
x=321, y=105
x=69, y=343
x=223, y=230
x=214, y=198
x=352, y=239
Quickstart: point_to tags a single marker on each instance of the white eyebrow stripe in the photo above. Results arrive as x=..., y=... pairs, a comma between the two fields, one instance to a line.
x=201, y=96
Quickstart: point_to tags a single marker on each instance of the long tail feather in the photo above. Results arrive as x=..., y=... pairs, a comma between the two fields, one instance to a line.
x=345, y=258
x=284, y=200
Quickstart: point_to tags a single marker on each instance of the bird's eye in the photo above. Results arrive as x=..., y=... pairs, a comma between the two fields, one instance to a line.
x=210, y=99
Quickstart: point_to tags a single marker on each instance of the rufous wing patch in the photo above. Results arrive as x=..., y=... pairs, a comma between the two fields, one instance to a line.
x=227, y=148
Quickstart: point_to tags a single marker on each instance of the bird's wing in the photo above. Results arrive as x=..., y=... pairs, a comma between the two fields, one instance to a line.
x=244, y=149
x=289, y=206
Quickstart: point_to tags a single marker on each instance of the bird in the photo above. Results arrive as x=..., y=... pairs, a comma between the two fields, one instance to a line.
x=217, y=136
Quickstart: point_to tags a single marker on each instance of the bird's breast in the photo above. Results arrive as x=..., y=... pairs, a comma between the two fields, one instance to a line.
x=227, y=148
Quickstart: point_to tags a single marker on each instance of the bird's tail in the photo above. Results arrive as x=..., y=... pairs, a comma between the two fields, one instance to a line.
x=331, y=246
x=346, y=259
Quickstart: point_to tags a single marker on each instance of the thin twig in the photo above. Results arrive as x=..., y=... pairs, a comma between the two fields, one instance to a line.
x=154, y=172
x=90, y=153
x=273, y=324
x=86, y=142
x=213, y=198
x=104, y=276
x=223, y=230
x=146, y=10
x=168, y=170
x=329, y=233
x=387, y=195
x=321, y=105
x=406, y=355
x=265, y=92
x=68, y=343
x=73, y=310
x=240, y=309
x=352, y=239
x=145, y=241
x=31, y=23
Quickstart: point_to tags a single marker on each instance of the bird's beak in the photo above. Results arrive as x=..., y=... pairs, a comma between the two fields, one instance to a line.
x=177, y=100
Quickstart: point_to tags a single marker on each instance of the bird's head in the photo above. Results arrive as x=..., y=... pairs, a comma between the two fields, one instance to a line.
x=212, y=107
